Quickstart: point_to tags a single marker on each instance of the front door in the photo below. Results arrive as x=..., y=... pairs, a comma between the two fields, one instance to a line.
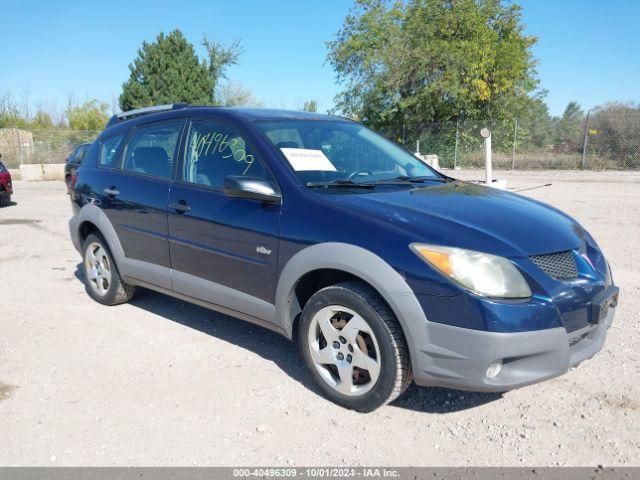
x=223, y=250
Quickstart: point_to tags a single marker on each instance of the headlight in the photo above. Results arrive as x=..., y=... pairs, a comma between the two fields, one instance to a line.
x=484, y=274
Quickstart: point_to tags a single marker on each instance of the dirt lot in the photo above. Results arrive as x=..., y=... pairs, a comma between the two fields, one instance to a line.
x=161, y=382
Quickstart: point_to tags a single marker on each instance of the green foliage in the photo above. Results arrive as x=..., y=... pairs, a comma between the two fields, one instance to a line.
x=166, y=71
x=409, y=64
x=41, y=120
x=219, y=59
x=10, y=115
x=310, y=106
x=568, y=129
x=614, y=134
x=90, y=116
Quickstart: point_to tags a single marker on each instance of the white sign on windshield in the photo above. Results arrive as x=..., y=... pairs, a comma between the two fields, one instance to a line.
x=302, y=159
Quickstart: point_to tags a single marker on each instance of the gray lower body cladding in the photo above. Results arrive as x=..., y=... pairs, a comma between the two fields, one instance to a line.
x=458, y=358
x=441, y=355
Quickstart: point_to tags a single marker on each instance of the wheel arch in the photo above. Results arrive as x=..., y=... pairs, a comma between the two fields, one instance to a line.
x=92, y=219
x=342, y=261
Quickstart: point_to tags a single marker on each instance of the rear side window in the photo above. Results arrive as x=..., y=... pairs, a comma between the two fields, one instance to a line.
x=81, y=152
x=216, y=151
x=108, y=150
x=152, y=149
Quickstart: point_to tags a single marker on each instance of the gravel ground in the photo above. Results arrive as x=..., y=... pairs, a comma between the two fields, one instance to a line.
x=162, y=382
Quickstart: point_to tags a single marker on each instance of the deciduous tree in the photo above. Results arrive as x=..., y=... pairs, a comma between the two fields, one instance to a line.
x=90, y=116
x=310, y=106
x=220, y=58
x=411, y=63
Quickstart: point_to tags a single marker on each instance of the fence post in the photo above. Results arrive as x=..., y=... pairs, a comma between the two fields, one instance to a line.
x=585, y=142
x=488, y=167
x=513, y=150
x=455, y=151
x=15, y=130
x=404, y=131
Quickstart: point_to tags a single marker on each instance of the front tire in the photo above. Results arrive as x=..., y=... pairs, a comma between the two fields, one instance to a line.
x=102, y=279
x=353, y=346
x=5, y=200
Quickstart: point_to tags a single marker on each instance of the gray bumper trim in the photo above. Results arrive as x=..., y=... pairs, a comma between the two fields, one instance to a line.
x=458, y=358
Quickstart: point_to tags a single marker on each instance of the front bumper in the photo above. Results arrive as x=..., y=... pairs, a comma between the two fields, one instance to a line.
x=458, y=357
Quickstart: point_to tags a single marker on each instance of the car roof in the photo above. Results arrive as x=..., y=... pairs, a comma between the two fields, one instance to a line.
x=275, y=114
x=248, y=114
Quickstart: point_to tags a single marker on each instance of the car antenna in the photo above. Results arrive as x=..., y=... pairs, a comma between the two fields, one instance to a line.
x=532, y=188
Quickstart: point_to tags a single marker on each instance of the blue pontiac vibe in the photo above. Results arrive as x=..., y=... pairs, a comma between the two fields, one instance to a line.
x=383, y=270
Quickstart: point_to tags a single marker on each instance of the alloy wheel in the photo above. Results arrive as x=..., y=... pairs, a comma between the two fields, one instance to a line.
x=98, y=268
x=344, y=350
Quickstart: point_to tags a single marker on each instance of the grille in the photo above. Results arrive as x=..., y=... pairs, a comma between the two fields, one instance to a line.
x=561, y=266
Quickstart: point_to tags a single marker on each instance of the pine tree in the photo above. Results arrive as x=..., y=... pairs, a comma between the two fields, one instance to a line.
x=166, y=71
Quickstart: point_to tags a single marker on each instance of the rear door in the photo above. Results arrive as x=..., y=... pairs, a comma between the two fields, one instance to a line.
x=223, y=250
x=135, y=198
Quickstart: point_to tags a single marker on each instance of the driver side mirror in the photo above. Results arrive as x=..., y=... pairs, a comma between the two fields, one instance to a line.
x=253, y=188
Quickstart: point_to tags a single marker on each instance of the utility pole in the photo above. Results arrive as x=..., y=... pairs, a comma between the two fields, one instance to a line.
x=585, y=142
x=513, y=151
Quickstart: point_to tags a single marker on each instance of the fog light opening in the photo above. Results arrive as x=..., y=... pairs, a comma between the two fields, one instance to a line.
x=494, y=369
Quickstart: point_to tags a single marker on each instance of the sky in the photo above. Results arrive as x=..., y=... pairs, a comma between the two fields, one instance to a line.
x=51, y=50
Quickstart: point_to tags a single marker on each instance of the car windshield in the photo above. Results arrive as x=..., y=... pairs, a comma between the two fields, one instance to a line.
x=334, y=152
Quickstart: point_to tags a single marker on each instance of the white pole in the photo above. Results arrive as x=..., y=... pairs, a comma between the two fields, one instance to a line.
x=488, y=171
x=418, y=147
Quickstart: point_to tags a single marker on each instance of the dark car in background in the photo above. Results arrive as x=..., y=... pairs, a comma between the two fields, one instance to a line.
x=6, y=187
x=73, y=162
x=382, y=269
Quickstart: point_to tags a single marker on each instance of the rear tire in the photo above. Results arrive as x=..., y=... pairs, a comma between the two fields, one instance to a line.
x=5, y=200
x=353, y=346
x=102, y=279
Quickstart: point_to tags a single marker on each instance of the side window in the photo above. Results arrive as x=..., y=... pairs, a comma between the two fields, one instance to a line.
x=151, y=150
x=215, y=151
x=108, y=149
x=82, y=150
x=285, y=138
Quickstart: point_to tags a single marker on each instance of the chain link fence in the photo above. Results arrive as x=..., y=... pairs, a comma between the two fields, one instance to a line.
x=40, y=146
x=602, y=140
x=599, y=141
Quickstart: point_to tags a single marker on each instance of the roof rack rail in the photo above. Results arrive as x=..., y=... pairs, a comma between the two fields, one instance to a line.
x=138, y=112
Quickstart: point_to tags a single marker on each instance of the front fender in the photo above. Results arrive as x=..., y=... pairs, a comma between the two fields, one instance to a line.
x=363, y=264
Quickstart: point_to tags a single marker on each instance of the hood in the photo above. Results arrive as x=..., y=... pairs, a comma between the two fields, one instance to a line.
x=471, y=216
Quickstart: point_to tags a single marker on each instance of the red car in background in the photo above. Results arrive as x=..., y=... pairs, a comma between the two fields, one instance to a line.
x=5, y=186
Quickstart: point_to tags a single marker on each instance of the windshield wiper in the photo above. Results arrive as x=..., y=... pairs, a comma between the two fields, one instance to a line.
x=401, y=180
x=341, y=183
x=406, y=180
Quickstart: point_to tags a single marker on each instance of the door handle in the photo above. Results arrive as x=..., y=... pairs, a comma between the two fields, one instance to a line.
x=112, y=192
x=180, y=207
